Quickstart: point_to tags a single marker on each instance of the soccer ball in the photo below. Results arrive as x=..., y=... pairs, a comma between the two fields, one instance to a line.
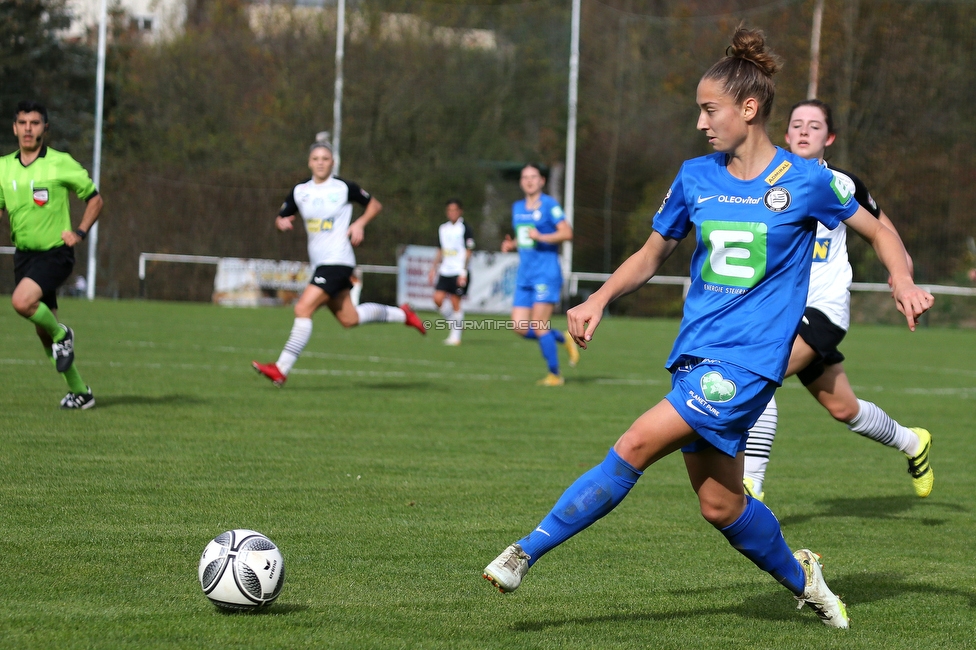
x=241, y=569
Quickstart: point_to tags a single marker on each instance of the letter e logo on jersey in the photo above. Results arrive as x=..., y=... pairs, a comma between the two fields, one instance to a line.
x=717, y=388
x=777, y=199
x=843, y=188
x=41, y=196
x=736, y=253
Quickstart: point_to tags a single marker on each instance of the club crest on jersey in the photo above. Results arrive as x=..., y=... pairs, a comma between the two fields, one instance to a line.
x=536, y=215
x=777, y=199
x=41, y=196
x=717, y=388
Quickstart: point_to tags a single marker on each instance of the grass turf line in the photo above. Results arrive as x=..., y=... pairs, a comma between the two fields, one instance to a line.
x=390, y=469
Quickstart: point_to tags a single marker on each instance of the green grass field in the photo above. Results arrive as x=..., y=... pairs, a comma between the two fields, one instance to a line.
x=390, y=469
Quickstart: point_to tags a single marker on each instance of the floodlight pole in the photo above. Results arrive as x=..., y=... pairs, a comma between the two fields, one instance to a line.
x=570, y=192
x=818, y=9
x=337, y=99
x=97, y=153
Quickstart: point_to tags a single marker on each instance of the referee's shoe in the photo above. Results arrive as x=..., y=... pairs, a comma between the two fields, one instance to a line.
x=78, y=401
x=64, y=350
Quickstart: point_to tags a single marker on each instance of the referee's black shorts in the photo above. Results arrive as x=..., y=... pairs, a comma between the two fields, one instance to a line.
x=49, y=269
x=823, y=336
x=449, y=284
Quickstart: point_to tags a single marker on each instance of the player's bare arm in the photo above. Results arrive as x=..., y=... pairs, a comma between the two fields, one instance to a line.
x=887, y=223
x=564, y=232
x=92, y=209
x=357, y=229
x=285, y=224
x=911, y=300
x=630, y=276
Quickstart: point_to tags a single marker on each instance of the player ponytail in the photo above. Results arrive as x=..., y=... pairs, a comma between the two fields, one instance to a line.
x=747, y=70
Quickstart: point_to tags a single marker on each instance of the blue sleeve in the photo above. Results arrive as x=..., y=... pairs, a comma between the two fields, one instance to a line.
x=673, y=219
x=831, y=201
x=556, y=213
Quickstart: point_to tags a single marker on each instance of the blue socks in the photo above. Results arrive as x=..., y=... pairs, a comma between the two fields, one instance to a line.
x=593, y=495
x=532, y=335
x=757, y=535
x=547, y=343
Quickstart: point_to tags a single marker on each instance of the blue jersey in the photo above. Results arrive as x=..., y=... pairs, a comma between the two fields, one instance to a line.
x=751, y=266
x=538, y=261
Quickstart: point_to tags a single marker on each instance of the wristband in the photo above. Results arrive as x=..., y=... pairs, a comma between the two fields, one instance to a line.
x=81, y=233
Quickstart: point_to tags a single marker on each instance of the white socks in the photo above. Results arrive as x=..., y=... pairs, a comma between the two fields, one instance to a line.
x=301, y=332
x=875, y=424
x=457, y=325
x=759, y=445
x=372, y=312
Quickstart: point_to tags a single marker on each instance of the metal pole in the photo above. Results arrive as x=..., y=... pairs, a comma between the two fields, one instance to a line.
x=337, y=99
x=97, y=153
x=570, y=194
x=818, y=9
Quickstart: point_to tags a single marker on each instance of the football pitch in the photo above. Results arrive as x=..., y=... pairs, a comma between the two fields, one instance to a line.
x=391, y=469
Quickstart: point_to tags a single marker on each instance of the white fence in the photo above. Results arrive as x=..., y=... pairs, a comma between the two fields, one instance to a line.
x=574, y=279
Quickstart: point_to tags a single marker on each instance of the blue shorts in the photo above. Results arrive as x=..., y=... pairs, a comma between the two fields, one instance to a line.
x=528, y=295
x=720, y=401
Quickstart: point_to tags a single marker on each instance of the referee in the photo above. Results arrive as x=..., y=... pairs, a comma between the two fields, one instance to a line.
x=34, y=186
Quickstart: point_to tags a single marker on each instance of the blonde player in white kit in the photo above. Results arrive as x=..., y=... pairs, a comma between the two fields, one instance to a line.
x=450, y=268
x=815, y=359
x=325, y=205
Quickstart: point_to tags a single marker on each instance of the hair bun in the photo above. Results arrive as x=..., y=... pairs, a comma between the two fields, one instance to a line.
x=750, y=44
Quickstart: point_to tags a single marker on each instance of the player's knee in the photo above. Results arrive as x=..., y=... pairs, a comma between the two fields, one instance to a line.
x=843, y=412
x=720, y=512
x=23, y=306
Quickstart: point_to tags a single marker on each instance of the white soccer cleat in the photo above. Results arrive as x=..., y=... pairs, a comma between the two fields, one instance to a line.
x=817, y=595
x=508, y=569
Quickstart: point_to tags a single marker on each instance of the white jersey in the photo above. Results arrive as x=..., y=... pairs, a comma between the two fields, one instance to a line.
x=326, y=209
x=456, y=240
x=831, y=274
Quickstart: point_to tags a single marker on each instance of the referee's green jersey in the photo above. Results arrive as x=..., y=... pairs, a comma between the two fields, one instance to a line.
x=36, y=197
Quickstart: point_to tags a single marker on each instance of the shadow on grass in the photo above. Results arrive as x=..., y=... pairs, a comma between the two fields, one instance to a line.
x=147, y=400
x=890, y=507
x=772, y=606
x=775, y=605
x=276, y=609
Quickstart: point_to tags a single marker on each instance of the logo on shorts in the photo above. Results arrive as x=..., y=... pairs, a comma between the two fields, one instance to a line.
x=777, y=199
x=717, y=388
x=318, y=280
x=41, y=196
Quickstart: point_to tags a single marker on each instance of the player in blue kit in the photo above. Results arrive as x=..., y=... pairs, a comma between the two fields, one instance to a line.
x=754, y=208
x=540, y=227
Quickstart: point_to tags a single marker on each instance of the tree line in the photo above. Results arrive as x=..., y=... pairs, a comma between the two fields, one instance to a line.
x=206, y=131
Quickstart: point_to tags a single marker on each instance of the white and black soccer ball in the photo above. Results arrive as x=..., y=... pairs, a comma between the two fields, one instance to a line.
x=241, y=569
